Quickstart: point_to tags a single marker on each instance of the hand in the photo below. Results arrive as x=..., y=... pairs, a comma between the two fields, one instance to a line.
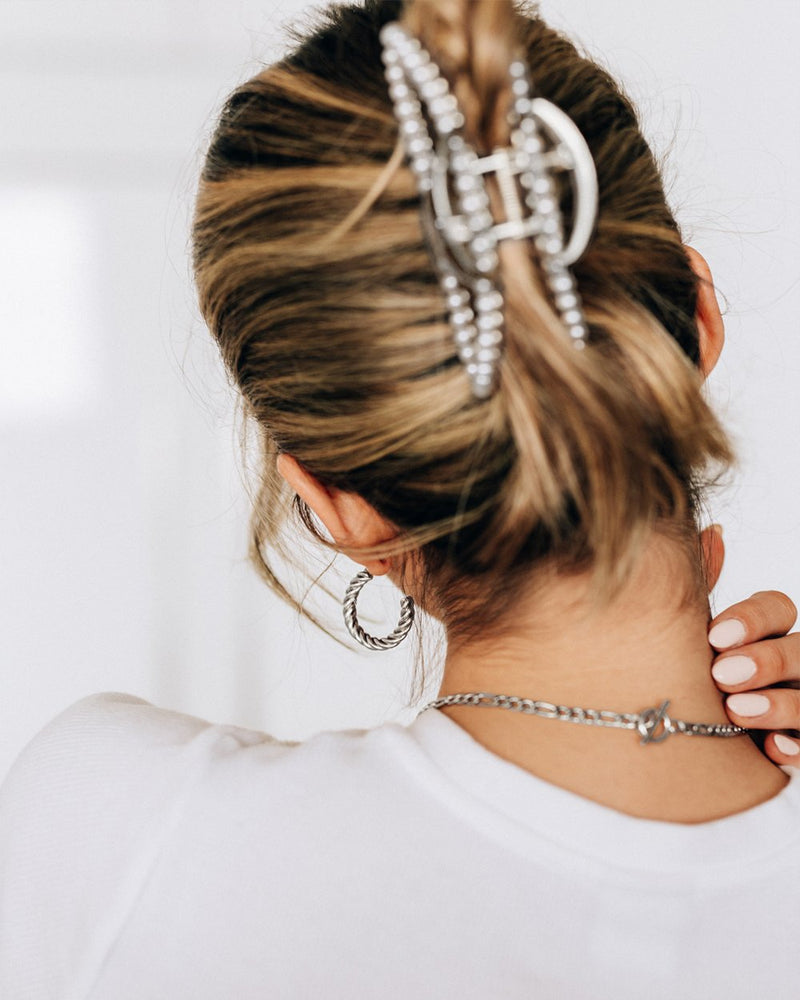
x=759, y=664
x=760, y=670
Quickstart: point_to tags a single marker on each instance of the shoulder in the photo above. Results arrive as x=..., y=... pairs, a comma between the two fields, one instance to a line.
x=99, y=781
x=113, y=769
x=111, y=758
x=110, y=741
x=119, y=749
x=113, y=786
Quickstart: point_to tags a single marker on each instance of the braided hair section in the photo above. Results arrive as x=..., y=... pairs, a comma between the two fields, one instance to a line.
x=473, y=42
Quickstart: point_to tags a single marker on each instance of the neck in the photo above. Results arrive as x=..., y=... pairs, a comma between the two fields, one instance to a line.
x=647, y=646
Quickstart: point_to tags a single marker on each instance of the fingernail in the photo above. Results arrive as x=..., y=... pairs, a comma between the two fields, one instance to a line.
x=719, y=530
x=785, y=745
x=728, y=633
x=748, y=704
x=733, y=669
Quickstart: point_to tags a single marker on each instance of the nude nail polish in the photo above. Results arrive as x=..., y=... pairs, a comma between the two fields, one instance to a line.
x=728, y=633
x=733, y=670
x=748, y=705
x=786, y=746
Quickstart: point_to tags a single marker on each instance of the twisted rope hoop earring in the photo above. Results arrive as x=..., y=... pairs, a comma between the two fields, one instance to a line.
x=354, y=628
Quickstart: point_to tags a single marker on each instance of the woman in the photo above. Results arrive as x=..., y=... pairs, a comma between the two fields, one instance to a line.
x=435, y=252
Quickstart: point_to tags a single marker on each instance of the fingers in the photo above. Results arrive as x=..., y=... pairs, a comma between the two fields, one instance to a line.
x=783, y=749
x=776, y=708
x=748, y=674
x=754, y=663
x=762, y=664
x=767, y=613
x=772, y=661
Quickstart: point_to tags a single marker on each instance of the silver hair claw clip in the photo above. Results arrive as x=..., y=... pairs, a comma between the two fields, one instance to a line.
x=452, y=177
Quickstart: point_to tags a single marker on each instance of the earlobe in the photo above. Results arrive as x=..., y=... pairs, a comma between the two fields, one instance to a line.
x=710, y=325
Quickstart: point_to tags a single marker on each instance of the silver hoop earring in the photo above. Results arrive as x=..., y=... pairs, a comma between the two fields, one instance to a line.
x=354, y=628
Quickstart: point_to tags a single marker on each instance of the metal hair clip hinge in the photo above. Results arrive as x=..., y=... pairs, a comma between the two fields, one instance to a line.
x=513, y=169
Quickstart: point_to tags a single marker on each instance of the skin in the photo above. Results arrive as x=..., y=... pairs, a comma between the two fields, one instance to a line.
x=645, y=647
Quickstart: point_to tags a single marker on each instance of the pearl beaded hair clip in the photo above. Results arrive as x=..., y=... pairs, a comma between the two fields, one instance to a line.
x=451, y=179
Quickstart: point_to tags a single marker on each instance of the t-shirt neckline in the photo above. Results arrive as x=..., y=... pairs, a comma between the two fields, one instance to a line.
x=500, y=791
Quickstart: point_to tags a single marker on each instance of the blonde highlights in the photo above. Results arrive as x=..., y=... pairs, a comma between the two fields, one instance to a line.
x=315, y=279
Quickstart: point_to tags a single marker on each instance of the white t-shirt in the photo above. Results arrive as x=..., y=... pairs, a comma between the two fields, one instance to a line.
x=147, y=855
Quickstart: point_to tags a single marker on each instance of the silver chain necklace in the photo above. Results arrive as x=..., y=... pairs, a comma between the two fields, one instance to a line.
x=653, y=724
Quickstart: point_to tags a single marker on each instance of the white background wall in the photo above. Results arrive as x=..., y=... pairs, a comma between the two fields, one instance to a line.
x=123, y=513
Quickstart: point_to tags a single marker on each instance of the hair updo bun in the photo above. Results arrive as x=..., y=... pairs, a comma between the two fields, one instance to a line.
x=315, y=279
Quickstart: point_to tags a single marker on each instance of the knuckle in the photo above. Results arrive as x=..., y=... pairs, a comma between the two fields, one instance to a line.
x=790, y=606
x=754, y=614
x=790, y=707
x=772, y=658
x=768, y=608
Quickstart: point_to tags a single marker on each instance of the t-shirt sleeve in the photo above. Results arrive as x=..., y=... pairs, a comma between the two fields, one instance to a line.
x=84, y=812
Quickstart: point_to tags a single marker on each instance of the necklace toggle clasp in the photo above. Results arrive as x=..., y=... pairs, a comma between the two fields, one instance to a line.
x=654, y=724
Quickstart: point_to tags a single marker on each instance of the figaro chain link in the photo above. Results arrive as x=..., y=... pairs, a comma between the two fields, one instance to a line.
x=654, y=725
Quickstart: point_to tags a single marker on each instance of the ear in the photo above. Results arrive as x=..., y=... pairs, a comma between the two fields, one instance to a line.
x=710, y=325
x=350, y=520
x=713, y=549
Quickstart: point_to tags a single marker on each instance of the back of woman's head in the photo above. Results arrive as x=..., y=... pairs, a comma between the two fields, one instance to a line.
x=315, y=278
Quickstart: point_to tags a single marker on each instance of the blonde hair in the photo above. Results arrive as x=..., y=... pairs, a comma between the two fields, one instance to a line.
x=315, y=279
